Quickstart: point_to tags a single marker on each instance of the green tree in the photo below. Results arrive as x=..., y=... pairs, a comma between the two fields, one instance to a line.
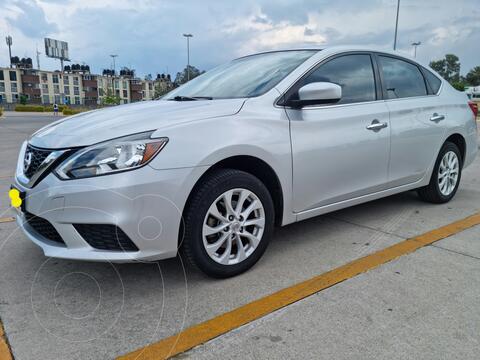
x=182, y=77
x=473, y=76
x=110, y=98
x=448, y=68
x=23, y=99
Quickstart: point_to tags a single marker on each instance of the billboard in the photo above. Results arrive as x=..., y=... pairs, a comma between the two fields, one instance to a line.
x=56, y=49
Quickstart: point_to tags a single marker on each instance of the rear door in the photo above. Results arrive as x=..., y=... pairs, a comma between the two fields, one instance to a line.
x=337, y=154
x=416, y=119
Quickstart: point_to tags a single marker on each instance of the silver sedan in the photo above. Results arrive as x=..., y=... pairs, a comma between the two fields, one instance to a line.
x=264, y=140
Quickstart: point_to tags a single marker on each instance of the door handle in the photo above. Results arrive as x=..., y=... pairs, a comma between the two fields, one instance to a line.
x=377, y=125
x=437, y=118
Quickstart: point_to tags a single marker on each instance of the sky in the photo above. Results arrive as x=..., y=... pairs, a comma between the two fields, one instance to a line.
x=147, y=35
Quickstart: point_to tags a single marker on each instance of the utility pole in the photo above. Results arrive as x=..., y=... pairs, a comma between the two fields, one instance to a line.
x=396, y=26
x=38, y=59
x=188, y=36
x=9, y=44
x=415, y=44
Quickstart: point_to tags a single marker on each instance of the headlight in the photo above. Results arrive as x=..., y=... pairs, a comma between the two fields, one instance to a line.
x=112, y=156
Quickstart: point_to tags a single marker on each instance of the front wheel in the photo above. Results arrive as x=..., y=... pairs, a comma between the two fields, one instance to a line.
x=445, y=177
x=228, y=223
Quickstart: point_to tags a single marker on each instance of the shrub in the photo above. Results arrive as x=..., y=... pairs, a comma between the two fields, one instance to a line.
x=1, y=111
x=29, y=108
x=70, y=111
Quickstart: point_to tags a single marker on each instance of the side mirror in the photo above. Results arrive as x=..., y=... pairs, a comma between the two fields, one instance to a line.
x=317, y=93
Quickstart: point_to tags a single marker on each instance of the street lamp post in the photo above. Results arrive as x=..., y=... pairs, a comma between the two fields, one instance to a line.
x=415, y=44
x=113, y=56
x=188, y=36
x=9, y=44
x=396, y=26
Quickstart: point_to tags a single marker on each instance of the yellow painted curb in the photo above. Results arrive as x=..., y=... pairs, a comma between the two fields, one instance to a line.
x=5, y=353
x=210, y=329
x=5, y=220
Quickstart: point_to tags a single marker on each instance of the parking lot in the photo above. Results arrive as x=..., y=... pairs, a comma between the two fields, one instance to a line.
x=422, y=304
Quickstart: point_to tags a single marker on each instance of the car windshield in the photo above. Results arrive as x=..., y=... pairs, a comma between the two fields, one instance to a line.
x=245, y=77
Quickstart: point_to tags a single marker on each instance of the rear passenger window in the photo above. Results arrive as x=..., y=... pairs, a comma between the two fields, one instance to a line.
x=401, y=79
x=354, y=73
x=433, y=81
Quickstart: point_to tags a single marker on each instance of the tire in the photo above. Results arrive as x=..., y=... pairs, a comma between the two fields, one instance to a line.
x=433, y=191
x=199, y=222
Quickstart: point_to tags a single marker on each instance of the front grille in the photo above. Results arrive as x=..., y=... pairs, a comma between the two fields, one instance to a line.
x=43, y=227
x=38, y=156
x=105, y=237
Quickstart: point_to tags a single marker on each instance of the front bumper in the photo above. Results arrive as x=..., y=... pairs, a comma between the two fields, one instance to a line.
x=146, y=204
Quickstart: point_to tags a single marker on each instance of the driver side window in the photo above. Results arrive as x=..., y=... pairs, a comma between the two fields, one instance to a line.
x=354, y=73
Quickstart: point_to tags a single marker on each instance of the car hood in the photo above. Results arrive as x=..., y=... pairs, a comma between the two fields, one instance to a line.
x=101, y=125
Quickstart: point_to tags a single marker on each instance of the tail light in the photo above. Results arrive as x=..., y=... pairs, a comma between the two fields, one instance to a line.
x=474, y=107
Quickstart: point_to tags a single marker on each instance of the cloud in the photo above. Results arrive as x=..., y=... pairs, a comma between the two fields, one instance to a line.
x=147, y=35
x=31, y=20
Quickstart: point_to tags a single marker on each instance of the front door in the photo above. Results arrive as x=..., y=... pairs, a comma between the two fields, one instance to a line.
x=340, y=151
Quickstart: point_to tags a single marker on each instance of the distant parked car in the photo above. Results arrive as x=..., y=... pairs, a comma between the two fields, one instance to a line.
x=266, y=139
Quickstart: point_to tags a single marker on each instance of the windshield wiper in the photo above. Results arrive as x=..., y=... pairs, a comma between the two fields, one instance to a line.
x=192, y=98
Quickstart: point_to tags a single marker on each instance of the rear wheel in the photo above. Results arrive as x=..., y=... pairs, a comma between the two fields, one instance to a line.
x=228, y=223
x=445, y=177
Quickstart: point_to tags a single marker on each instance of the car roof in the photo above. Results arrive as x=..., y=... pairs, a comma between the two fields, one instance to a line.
x=339, y=49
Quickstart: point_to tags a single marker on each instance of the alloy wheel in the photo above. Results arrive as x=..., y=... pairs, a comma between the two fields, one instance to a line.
x=448, y=173
x=233, y=226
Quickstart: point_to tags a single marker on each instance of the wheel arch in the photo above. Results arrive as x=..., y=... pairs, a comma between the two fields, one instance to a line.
x=460, y=142
x=254, y=166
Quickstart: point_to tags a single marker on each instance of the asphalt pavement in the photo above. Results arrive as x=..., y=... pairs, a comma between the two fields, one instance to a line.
x=422, y=305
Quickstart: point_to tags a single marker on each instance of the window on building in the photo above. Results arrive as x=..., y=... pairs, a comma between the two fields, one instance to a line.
x=56, y=89
x=13, y=76
x=125, y=94
x=56, y=99
x=100, y=91
x=354, y=73
x=75, y=80
x=45, y=87
x=117, y=84
x=13, y=86
x=77, y=100
x=124, y=84
x=55, y=78
x=402, y=79
x=44, y=77
x=45, y=99
x=65, y=79
x=1, y=75
x=2, y=86
x=66, y=90
x=76, y=90
x=14, y=98
x=150, y=86
x=67, y=100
